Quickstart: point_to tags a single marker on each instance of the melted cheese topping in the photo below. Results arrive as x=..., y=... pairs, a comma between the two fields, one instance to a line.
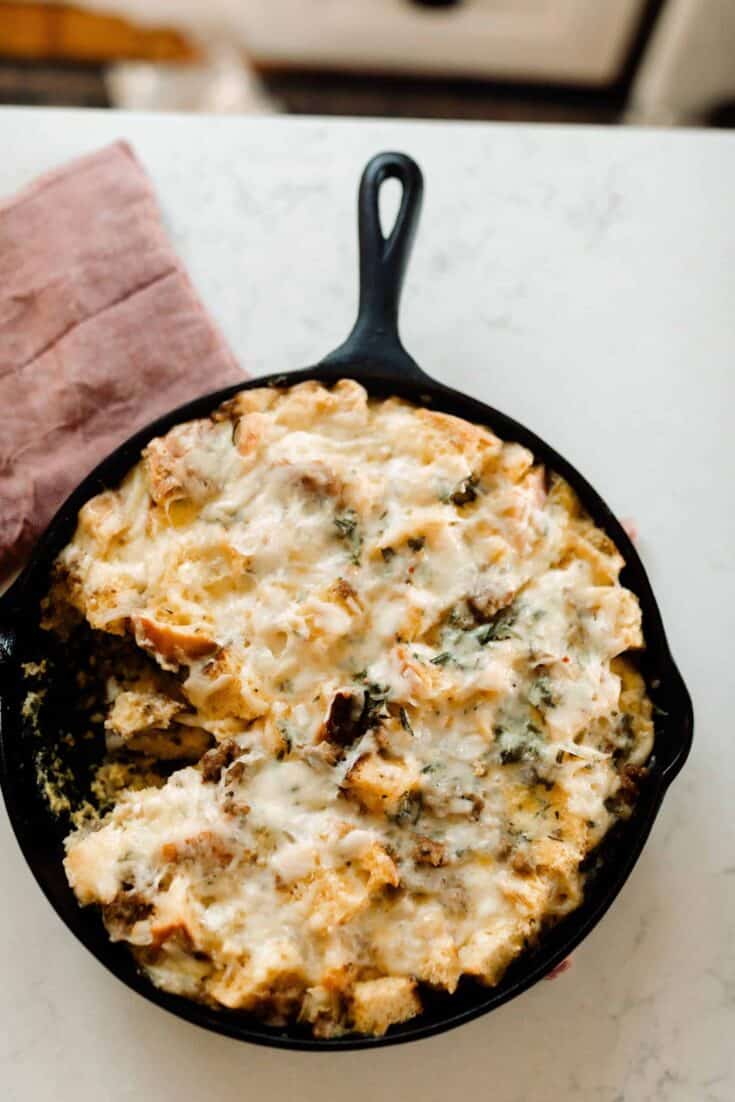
x=404, y=637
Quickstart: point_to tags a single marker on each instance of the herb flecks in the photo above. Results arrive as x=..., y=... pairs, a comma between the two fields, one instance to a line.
x=416, y=543
x=541, y=694
x=409, y=809
x=442, y=659
x=499, y=628
x=519, y=744
x=349, y=531
x=374, y=705
x=405, y=722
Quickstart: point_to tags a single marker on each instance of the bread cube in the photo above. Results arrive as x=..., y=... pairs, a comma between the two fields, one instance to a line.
x=378, y=1004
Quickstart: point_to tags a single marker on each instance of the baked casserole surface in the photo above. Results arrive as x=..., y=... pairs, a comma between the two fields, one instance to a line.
x=390, y=656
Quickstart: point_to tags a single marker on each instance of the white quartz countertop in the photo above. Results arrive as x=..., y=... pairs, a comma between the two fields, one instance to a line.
x=583, y=281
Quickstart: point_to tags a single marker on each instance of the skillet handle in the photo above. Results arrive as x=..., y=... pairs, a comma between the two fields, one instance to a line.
x=374, y=343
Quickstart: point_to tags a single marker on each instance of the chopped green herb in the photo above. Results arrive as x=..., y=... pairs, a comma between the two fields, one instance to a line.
x=409, y=809
x=346, y=523
x=519, y=745
x=388, y=553
x=541, y=693
x=405, y=724
x=348, y=530
x=499, y=627
x=441, y=659
x=373, y=708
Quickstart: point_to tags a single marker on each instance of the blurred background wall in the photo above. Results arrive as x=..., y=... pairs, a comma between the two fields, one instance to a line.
x=662, y=62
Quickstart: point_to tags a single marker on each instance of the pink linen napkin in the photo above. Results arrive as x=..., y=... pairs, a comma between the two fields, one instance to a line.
x=101, y=331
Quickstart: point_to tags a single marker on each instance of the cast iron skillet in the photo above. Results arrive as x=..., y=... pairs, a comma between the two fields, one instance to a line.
x=372, y=354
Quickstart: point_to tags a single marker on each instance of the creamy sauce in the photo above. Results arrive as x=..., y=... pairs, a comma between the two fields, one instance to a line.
x=407, y=643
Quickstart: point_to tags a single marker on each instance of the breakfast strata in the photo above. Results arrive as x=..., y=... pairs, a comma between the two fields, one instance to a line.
x=394, y=652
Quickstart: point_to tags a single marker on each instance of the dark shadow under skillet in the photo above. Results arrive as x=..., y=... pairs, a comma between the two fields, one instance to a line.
x=374, y=356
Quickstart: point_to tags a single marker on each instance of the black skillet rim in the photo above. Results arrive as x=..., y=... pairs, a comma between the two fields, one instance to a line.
x=383, y=368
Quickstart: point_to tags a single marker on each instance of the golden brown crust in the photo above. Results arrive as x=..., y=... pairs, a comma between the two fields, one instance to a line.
x=400, y=654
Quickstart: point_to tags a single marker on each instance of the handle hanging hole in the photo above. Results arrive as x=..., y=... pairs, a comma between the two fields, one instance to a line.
x=389, y=203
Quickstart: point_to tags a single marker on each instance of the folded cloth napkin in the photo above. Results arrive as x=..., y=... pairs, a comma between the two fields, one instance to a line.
x=101, y=331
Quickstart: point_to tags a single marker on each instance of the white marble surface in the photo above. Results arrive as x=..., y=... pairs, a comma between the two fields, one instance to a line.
x=582, y=280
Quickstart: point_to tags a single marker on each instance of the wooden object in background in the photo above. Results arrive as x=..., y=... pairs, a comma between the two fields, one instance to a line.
x=574, y=42
x=38, y=31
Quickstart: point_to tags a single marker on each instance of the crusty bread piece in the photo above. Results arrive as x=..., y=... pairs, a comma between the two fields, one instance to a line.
x=377, y=1004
